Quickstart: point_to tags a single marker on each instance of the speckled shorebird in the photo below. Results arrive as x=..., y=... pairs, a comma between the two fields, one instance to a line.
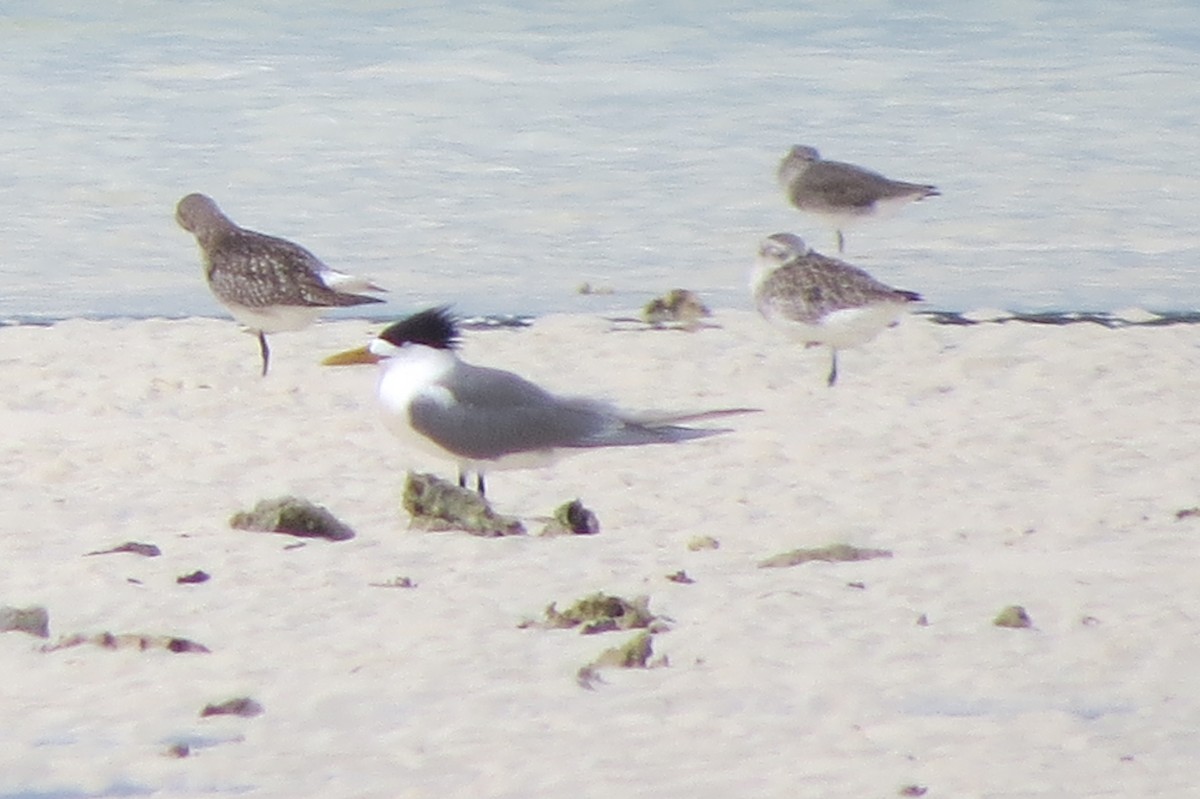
x=840, y=192
x=269, y=284
x=821, y=300
x=486, y=419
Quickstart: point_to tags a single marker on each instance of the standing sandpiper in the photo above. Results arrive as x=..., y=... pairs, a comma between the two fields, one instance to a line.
x=822, y=300
x=842, y=192
x=269, y=284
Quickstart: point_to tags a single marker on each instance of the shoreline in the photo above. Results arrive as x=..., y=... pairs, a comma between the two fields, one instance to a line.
x=1126, y=317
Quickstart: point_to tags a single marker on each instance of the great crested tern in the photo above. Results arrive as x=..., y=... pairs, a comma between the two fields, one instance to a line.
x=488, y=419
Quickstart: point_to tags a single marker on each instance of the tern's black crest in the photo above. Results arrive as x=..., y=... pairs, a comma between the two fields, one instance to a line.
x=435, y=327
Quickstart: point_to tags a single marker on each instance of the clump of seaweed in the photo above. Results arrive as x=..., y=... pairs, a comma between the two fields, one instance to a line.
x=679, y=307
x=395, y=582
x=1186, y=513
x=633, y=654
x=128, y=641
x=292, y=516
x=587, y=288
x=834, y=553
x=135, y=547
x=34, y=620
x=1013, y=616
x=601, y=613
x=435, y=504
x=572, y=518
x=242, y=706
x=193, y=578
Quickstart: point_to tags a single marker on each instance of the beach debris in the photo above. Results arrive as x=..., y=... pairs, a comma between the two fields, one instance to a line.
x=1186, y=513
x=292, y=516
x=1013, y=616
x=572, y=518
x=703, y=542
x=145, y=550
x=395, y=582
x=635, y=653
x=435, y=504
x=833, y=553
x=913, y=790
x=178, y=750
x=585, y=288
x=34, y=620
x=922, y=620
x=599, y=613
x=678, y=307
x=680, y=577
x=242, y=706
x=128, y=641
x=193, y=578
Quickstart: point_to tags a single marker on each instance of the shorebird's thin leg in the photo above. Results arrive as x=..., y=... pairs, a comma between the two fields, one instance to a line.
x=266, y=352
x=833, y=370
x=462, y=479
x=841, y=241
x=479, y=483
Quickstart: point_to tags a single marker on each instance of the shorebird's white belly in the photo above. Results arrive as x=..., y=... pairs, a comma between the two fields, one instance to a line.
x=275, y=318
x=848, y=327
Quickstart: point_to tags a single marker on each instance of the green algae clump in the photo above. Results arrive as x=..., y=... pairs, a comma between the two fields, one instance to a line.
x=34, y=620
x=292, y=516
x=601, y=613
x=679, y=307
x=572, y=518
x=834, y=553
x=633, y=654
x=1013, y=616
x=435, y=504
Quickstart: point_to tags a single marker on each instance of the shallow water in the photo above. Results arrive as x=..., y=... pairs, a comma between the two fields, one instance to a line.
x=497, y=158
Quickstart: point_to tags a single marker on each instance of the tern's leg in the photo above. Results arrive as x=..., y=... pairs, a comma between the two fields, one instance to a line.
x=841, y=241
x=462, y=481
x=266, y=352
x=833, y=370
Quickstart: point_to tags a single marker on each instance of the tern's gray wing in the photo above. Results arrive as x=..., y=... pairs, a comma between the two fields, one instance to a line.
x=497, y=413
x=258, y=270
x=812, y=286
x=839, y=185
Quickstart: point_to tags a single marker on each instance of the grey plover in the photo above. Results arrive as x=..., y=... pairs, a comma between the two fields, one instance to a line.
x=487, y=419
x=821, y=300
x=269, y=284
x=840, y=192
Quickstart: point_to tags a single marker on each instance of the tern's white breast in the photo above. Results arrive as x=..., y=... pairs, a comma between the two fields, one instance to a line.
x=410, y=372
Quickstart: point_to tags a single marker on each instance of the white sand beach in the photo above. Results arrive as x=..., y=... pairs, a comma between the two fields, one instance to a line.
x=1001, y=464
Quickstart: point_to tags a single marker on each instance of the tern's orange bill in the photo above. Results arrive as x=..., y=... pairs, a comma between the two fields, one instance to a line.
x=358, y=355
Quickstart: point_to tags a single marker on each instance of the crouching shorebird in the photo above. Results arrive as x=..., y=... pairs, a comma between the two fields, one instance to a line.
x=488, y=419
x=822, y=300
x=842, y=192
x=270, y=285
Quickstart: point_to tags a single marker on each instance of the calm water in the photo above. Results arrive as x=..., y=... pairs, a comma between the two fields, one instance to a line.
x=497, y=158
